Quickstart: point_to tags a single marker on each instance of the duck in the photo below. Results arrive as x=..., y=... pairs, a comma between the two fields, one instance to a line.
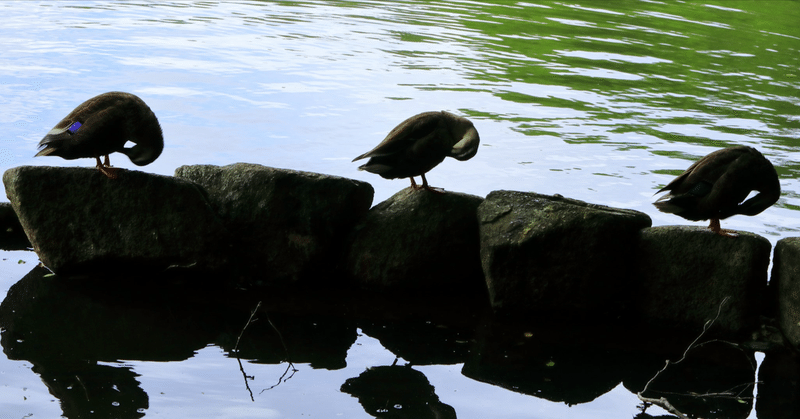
x=419, y=144
x=715, y=187
x=103, y=125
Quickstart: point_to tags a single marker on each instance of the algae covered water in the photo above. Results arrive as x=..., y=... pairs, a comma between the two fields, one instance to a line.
x=599, y=101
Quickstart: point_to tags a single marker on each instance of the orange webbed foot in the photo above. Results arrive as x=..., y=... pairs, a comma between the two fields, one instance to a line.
x=106, y=169
x=425, y=186
x=715, y=227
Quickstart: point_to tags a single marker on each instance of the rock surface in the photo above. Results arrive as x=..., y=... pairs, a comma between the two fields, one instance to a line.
x=81, y=222
x=685, y=272
x=421, y=242
x=785, y=288
x=550, y=253
x=288, y=225
x=12, y=236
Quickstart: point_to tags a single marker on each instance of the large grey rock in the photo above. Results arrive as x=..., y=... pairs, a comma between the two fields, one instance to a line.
x=685, y=272
x=289, y=225
x=785, y=287
x=419, y=241
x=81, y=222
x=550, y=253
x=12, y=236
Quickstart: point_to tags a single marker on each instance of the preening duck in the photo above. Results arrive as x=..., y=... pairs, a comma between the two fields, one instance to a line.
x=103, y=125
x=714, y=187
x=420, y=143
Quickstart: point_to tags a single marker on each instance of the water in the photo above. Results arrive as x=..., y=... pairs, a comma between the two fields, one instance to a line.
x=603, y=102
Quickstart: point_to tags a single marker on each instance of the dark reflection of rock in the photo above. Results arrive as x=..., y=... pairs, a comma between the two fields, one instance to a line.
x=423, y=330
x=399, y=392
x=52, y=316
x=12, y=237
x=422, y=342
x=576, y=363
x=779, y=386
x=319, y=340
x=91, y=390
x=558, y=364
x=65, y=328
x=715, y=380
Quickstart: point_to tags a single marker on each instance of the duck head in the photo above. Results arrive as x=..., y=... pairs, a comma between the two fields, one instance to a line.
x=467, y=146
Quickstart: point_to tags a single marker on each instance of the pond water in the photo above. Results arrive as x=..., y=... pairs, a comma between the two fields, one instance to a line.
x=599, y=101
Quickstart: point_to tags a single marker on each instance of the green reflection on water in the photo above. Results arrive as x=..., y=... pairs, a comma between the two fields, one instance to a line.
x=727, y=67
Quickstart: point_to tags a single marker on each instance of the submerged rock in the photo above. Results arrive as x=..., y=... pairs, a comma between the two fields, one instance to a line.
x=550, y=253
x=785, y=288
x=685, y=272
x=421, y=242
x=81, y=222
x=289, y=225
x=12, y=236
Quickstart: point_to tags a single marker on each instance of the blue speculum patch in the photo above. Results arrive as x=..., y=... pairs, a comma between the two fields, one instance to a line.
x=74, y=127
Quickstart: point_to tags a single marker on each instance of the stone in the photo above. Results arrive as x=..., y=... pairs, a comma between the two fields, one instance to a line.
x=419, y=242
x=785, y=288
x=555, y=254
x=289, y=225
x=12, y=236
x=82, y=223
x=685, y=272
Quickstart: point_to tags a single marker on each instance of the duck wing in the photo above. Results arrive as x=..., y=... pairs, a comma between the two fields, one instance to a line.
x=94, y=128
x=714, y=186
x=704, y=173
x=413, y=133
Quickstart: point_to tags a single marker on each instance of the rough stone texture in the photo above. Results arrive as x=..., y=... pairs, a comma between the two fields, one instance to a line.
x=550, y=253
x=420, y=242
x=81, y=222
x=785, y=288
x=685, y=272
x=12, y=236
x=289, y=225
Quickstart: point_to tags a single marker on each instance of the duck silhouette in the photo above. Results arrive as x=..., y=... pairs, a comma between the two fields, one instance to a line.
x=419, y=144
x=714, y=187
x=103, y=125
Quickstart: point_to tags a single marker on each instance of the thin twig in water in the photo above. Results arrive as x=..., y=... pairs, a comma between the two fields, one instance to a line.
x=253, y=313
x=280, y=379
x=84, y=387
x=286, y=351
x=662, y=402
x=246, y=377
x=236, y=351
x=691, y=345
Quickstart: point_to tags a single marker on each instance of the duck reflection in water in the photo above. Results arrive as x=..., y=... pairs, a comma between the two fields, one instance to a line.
x=400, y=392
x=103, y=125
x=419, y=144
x=714, y=187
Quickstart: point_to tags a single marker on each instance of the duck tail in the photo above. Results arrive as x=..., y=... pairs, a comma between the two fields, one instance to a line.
x=50, y=144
